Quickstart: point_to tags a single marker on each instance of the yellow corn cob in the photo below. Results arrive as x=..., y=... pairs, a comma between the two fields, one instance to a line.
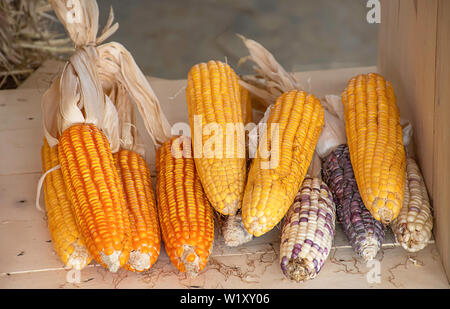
x=96, y=194
x=213, y=93
x=246, y=105
x=64, y=233
x=141, y=205
x=374, y=134
x=412, y=228
x=274, y=181
x=185, y=215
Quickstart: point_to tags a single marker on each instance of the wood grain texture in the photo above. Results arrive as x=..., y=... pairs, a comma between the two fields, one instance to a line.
x=441, y=167
x=414, y=55
x=406, y=57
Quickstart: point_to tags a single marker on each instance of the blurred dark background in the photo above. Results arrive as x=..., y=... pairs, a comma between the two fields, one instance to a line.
x=168, y=37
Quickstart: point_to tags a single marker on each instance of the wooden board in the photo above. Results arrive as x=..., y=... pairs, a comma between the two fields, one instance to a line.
x=406, y=57
x=414, y=55
x=342, y=270
x=441, y=166
x=28, y=259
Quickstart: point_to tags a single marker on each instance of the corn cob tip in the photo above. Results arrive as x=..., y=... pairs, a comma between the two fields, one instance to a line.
x=79, y=258
x=234, y=232
x=300, y=270
x=412, y=241
x=230, y=208
x=254, y=227
x=112, y=261
x=384, y=214
x=190, y=260
x=369, y=248
x=139, y=261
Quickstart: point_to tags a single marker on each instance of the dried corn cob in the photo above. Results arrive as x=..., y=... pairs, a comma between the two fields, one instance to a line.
x=82, y=121
x=412, y=228
x=141, y=206
x=364, y=232
x=135, y=178
x=294, y=126
x=184, y=212
x=374, y=134
x=64, y=233
x=185, y=215
x=96, y=195
x=212, y=94
x=308, y=230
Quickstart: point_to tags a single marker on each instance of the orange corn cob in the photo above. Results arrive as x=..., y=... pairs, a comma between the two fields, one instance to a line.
x=96, y=195
x=375, y=141
x=140, y=200
x=274, y=180
x=185, y=215
x=213, y=94
x=64, y=233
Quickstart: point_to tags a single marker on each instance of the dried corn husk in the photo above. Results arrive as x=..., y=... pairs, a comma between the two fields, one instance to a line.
x=77, y=96
x=28, y=37
x=272, y=79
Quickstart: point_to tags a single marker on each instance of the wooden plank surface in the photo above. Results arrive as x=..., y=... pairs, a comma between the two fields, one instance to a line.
x=28, y=259
x=406, y=57
x=414, y=55
x=342, y=270
x=441, y=167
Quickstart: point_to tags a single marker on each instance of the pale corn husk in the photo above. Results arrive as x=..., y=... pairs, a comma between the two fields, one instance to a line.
x=333, y=131
x=274, y=79
x=115, y=60
x=128, y=133
x=77, y=96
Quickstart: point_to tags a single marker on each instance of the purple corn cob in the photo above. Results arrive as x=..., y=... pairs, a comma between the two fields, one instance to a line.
x=308, y=230
x=364, y=232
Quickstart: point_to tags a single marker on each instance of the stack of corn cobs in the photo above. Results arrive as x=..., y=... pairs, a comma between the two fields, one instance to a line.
x=314, y=163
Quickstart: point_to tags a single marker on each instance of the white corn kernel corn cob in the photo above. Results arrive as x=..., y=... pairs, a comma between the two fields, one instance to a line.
x=308, y=231
x=412, y=228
